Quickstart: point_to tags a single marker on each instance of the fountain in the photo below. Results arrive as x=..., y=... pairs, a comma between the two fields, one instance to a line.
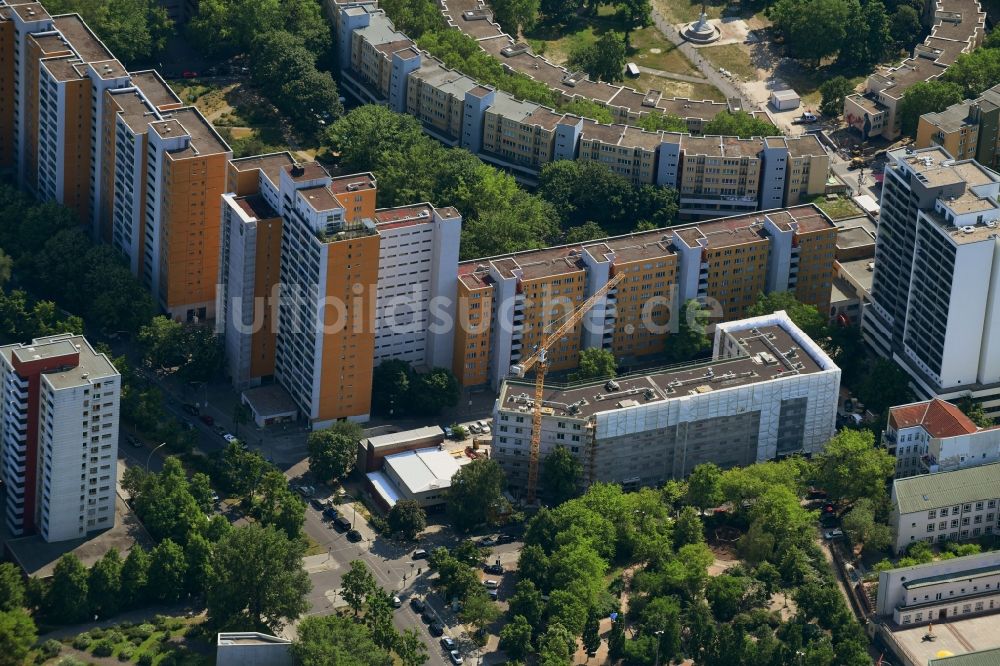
x=701, y=31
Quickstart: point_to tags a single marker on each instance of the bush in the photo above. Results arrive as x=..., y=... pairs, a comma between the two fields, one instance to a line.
x=71, y=661
x=97, y=633
x=125, y=654
x=145, y=659
x=142, y=631
x=49, y=649
x=82, y=642
x=103, y=648
x=160, y=621
x=137, y=640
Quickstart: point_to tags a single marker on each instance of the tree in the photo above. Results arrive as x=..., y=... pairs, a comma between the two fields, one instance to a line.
x=332, y=453
x=17, y=636
x=704, y=486
x=812, y=29
x=688, y=528
x=885, y=385
x=410, y=649
x=135, y=577
x=557, y=11
x=926, y=97
x=335, y=639
x=596, y=363
x=780, y=514
x=257, y=578
x=167, y=569
x=556, y=646
x=690, y=339
x=975, y=71
x=586, y=232
x=515, y=638
x=398, y=390
x=561, y=474
x=200, y=488
x=527, y=602
x=807, y=317
x=850, y=467
x=975, y=412
x=479, y=610
x=833, y=92
x=592, y=632
x=134, y=30
x=475, y=495
x=863, y=529
x=357, y=584
x=162, y=341
x=198, y=569
x=868, y=28
x=904, y=26
x=11, y=587
x=432, y=392
x=653, y=122
x=604, y=59
x=378, y=617
x=616, y=639
x=739, y=123
x=408, y=518
x=104, y=585
x=66, y=601
x=725, y=595
x=515, y=16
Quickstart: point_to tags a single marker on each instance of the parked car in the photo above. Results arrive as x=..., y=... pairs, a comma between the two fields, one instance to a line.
x=436, y=629
x=330, y=513
x=342, y=524
x=354, y=536
x=420, y=554
x=506, y=538
x=190, y=409
x=493, y=594
x=487, y=542
x=134, y=441
x=831, y=535
x=219, y=430
x=396, y=601
x=456, y=657
x=307, y=491
x=229, y=437
x=188, y=74
x=828, y=520
x=483, y=425
x=490, y=584
x=475, y=429
x=495, y=569
x=317, y=503
x=448, y=433
x=417, y=604
x=206, y=419
x=427, y=615
x=215, y=497
x=448, y=643
x=805, y=119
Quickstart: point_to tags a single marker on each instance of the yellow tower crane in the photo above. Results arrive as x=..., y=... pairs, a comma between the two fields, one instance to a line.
x=539, y=361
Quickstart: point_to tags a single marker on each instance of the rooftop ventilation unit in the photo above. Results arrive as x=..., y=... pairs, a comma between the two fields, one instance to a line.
x=612, y=386
x=297, y=170
x=513, y=50
x=968, y=229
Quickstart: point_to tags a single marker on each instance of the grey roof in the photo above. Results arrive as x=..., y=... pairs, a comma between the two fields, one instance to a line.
x=968, y=574
x=395, y=438
x=981, y=658
x=932, y=491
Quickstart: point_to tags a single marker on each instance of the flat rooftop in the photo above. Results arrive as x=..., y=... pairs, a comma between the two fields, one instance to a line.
x=955, y=637
x=154, y=88
x=270, y=164
x=353, y=183
x=720, y=232
x=852, y=237
x=188, y=120
x=135, y=112
x=396, y=438
x=309, y=171
x=62, y=68
x=81, y=38
x=256, y=206
x=319, y=198
x=770, y=353
x=860, y=272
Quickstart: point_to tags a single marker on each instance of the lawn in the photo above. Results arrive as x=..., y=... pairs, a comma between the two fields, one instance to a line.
x=732, y=57
x=806, y=80
x=838, y=208
x=649, y=47
x=672, y=88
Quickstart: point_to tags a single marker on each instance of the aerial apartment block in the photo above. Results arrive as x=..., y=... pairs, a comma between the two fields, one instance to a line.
x=935, y=436
x=143, y=172
x=967, y=130
x=60, y=437
x=505, y=301
x=318, y=286
x=945, y=506
x=768, y=391
x=716, y=175
x=957, y=27
x=936, y=285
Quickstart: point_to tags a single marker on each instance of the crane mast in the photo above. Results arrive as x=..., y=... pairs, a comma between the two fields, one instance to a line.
x=539, y=361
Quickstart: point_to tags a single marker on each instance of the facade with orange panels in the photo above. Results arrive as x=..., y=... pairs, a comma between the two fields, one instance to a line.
x=725, y=263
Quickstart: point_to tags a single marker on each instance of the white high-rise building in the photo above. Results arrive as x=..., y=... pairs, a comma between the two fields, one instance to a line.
x=59, y=422
x=936, y=288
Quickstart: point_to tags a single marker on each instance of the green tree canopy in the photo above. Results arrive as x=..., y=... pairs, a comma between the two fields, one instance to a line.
x=833, y=92
x=257, y=578
x=851, y=467
x=864, y=530
x=807, y=317
x=336, y=639
x=515, y=15
x=596, y=363
x=104, y=585
x=17, y=636
x=973, y=72
x=11, y=587
x=332, y=453
x=561, y=475
x=812, y=29
x=605, y=59
x=739, y=123
x=705, y=486
x=926, y=97
x=408, y=518
x=66, y=600
x=515, y=638
x=358, y=584
x=475, y=495
x=133, y=30
x=904, y=26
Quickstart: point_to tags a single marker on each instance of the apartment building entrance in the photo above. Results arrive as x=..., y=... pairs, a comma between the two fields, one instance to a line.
x=943, y=614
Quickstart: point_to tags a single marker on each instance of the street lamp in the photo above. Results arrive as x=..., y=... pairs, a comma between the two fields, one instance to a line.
x=658, y=634
x=155, y=449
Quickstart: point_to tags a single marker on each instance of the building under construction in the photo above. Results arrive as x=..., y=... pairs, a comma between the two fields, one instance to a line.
x=768, y=391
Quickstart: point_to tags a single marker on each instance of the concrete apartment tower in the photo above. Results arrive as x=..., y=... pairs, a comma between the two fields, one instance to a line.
x=936, y=287
x=59, y=419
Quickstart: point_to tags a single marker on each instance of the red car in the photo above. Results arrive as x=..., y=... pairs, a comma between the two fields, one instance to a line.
x=206, y=419
x=188, y=74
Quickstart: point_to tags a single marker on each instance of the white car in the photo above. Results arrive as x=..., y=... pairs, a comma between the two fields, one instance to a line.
x=455, y=656
x=228, y=437
x=490, y=584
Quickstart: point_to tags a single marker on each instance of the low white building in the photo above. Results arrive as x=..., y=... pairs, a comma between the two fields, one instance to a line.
x=937, y=591
x=935, y=436
x=250, y=648
x=423, y=475
x=946, y=506
x=785, y=100
x=768, y=391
